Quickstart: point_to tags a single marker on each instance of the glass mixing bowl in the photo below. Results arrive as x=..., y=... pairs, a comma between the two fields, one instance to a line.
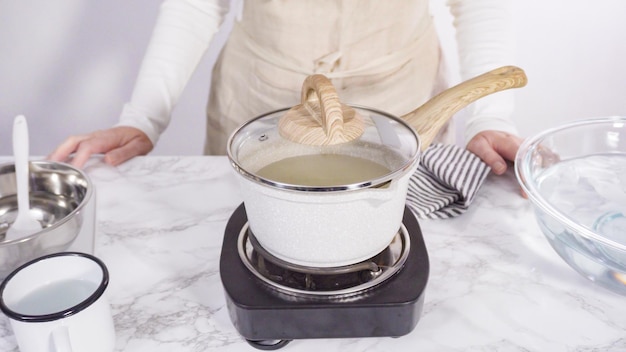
x=575, y=177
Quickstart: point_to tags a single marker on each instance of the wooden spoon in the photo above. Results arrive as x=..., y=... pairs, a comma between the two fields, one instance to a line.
x=321, y=119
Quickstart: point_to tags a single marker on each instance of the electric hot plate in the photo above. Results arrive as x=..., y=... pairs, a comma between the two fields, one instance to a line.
x=272, y=302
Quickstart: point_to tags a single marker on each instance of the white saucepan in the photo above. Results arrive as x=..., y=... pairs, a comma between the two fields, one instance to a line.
x=331, y=225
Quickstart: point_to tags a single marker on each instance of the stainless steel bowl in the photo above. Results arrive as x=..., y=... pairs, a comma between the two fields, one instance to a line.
x=58, y=195
x=575, y=176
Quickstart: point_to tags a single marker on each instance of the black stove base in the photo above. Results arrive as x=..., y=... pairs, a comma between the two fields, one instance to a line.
x=268, y=318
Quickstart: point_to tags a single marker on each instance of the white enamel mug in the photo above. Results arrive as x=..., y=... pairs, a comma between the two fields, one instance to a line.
x=56, y=303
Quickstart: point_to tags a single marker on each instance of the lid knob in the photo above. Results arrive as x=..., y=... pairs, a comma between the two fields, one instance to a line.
x=320, y=118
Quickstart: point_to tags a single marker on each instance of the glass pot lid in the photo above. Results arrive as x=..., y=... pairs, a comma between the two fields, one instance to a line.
x=321, y=128
x=370, y=149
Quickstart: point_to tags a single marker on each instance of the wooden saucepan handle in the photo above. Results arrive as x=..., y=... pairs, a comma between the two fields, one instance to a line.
x=429, y=118
x=321, y=100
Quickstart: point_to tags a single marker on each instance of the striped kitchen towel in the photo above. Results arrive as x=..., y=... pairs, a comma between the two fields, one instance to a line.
x=445, y=182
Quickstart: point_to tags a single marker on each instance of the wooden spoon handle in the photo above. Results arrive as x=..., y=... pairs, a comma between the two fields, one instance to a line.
x=429, y=118
x=321, y=100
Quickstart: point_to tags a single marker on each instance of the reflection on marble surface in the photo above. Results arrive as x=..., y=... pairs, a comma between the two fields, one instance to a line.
x=495, y=283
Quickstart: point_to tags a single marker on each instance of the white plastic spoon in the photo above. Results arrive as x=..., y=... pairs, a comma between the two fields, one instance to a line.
x=24, y=224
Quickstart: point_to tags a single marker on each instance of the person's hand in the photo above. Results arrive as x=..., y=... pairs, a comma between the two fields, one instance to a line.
x=495, y=148
x=118, y=144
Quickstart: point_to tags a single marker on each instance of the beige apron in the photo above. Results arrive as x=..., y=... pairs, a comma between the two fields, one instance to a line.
x=380, y=54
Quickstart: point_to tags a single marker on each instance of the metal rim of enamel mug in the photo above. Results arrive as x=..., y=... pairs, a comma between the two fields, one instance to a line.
x=84, y=304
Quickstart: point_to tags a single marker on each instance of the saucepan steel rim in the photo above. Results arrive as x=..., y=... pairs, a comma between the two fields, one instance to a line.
x=398, y=173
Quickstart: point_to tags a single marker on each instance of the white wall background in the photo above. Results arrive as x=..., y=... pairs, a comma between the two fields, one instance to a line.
x=69, y=66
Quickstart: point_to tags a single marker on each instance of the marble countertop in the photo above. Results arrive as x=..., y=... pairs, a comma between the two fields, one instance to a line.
x=495, y=283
